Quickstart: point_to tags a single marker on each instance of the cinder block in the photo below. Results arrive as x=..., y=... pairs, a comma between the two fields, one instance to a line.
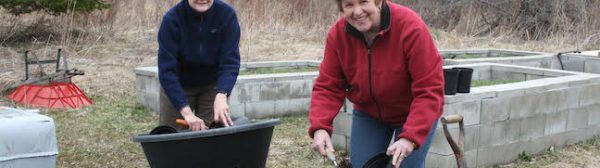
x=508, y=90
x=262, y=109
x=499, y=133
x=506, y=75
x=449, y=161
x=594, y=111
x=440, y=145
x=300, y=89
x=342, y=124
x=533, y=127
x=549, y=101
x=577, y=119
x=248, y=92
x=234, y=97
x=556, y=123
x=291, y=106
x=557, y=140
x=340, y=142
x=523, y=106
x=585, y=97
x=484, y=74
x=533, y=77
x=592, y=66
x=436, y=161
x=237, y=110
x=573, y=63
x=286, y=77
x=546, y=63
x=589, y=95
x=529, y=63
x=500, y=154
x=471, y=157
x=274, y=91
x=470, y=110
x=577, y=135
x=535, y=146
x=568, y=99
x=493, y=110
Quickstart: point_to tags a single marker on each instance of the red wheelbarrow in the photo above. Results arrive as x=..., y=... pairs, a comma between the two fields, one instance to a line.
x=53, y=90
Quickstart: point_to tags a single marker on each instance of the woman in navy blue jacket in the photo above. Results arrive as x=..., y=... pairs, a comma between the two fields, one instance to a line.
x=198, y=62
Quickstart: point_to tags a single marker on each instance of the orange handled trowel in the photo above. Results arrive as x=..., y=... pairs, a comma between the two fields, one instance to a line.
x=182, y=122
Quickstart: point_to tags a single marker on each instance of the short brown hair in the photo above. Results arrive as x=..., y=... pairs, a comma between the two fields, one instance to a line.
x=339, y=4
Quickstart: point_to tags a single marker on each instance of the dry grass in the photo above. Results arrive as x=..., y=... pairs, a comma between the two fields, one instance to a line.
x=583, y=154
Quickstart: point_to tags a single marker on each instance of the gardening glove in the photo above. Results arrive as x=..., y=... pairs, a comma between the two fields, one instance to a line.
x=322, y=142
x=400, y=150
x=195, y=123
x=221, y=110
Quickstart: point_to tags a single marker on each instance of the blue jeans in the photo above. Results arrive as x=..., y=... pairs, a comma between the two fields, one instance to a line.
x=370, y=137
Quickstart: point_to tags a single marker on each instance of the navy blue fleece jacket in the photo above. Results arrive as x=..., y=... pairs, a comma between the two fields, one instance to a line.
x=198, y=49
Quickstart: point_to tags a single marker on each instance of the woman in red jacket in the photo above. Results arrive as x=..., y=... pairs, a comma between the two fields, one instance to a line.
x=381, y=57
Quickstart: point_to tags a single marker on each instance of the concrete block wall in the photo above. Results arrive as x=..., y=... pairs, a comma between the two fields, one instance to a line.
x=254, y=96
x=272, y=95
x=581, y=63
x=525, y=58
x=504, y=120
x=487, y=109
x=148, y=87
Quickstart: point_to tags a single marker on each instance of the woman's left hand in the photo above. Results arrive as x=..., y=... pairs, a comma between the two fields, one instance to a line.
x=400, y=150
x=221, y=110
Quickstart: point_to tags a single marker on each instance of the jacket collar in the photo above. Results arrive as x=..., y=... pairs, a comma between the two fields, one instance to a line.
x=385, y=22
x=195, y=13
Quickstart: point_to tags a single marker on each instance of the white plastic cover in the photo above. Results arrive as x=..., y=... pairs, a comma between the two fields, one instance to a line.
x=27, y=139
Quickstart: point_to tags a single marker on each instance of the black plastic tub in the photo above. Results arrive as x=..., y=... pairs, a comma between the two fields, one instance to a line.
x=240, y=146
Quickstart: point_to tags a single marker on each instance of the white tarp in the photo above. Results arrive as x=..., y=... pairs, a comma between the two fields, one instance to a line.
x=27, y=139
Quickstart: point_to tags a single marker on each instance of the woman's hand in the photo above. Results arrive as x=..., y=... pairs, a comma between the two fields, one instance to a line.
x=400, y=150
x=195, y=123
x=221, y=110
x=322, y=142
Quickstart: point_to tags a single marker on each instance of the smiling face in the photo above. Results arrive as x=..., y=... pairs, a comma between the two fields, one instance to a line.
x=364, y=15
x=200, y=5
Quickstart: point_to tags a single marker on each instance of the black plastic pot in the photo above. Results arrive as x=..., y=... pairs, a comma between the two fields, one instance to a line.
x=245, y=145
x=450, y=81
x=379, y=161
x=464, y=79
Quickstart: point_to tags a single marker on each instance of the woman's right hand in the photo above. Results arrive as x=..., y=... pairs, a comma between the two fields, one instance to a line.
x=195, y=123
x=322, y=142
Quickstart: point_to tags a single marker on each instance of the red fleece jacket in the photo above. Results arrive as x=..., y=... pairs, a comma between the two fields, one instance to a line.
x=398, y=80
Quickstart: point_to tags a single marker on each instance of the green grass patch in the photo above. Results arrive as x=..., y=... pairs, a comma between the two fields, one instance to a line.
x=478, y=83
x=269, y=70
x=100, y=135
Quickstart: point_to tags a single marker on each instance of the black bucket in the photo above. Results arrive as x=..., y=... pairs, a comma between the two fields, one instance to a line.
x=244, y=145
x=379, y=161
x=464, y=79
x=450, y=81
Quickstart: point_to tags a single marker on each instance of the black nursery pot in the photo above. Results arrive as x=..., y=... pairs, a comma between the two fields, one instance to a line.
x=379, y=161
x=243, y=145
x=450, y=81
x=464, y=79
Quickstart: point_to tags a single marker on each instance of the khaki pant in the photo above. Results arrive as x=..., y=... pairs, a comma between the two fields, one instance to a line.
x=201, y=100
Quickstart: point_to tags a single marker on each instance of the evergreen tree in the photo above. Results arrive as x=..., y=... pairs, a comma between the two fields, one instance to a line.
x=17, y=7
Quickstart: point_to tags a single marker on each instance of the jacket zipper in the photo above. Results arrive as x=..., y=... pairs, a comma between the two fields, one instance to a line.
x=371, y=80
